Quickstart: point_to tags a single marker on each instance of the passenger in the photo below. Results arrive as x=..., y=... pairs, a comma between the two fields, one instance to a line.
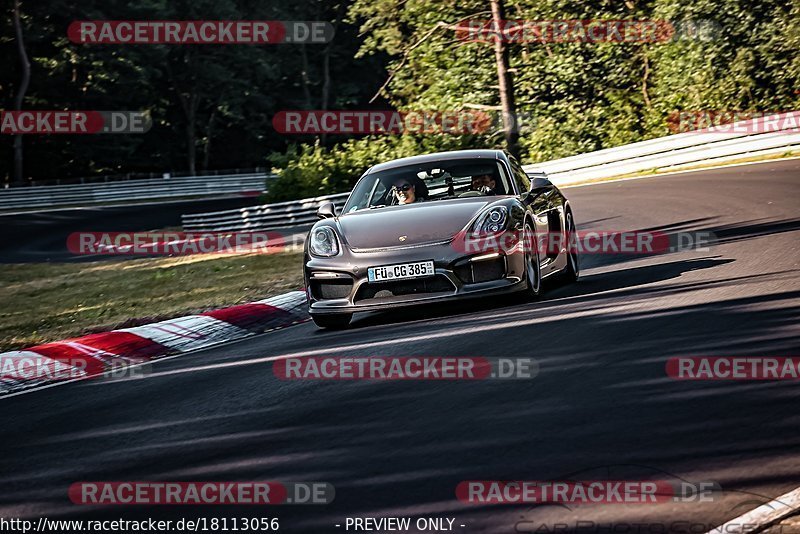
x=485, y=183
x=405, y=192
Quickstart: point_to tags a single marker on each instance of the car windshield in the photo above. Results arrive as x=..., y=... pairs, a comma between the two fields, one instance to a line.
x=431, y=181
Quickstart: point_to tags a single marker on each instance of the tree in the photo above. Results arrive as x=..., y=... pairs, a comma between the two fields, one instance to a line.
x=21, y=90
x=504, y=80
x=212, y=105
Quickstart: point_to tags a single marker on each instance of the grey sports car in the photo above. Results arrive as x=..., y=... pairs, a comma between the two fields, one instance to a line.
x=437, y=227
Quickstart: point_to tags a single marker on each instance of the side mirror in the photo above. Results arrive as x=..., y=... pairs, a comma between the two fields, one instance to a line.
x=539, y=185
x=326, y=210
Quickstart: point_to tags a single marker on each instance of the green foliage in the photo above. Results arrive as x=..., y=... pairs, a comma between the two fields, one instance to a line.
x=231, y=92
x=577, y=97
x=310, y=171
x=571, y=97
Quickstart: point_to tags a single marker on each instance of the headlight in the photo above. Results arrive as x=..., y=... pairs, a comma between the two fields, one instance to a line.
x=492, y=221
x=324, y=242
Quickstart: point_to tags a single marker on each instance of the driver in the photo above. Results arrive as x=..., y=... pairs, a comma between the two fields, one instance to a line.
x=404, y=191
x=485, y=183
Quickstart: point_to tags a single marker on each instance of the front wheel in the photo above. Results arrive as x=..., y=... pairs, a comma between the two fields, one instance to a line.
x=332, y=321
x=533, y=273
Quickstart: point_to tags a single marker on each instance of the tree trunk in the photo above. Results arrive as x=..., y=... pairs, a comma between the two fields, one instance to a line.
x=326, y=65
x=23, y=88
x=507, y=104
x=191, y=154
x=189, y=107
x=326, y=86
x=191, y=131
x=305, y=78
x=644, y=79
x=209, y=133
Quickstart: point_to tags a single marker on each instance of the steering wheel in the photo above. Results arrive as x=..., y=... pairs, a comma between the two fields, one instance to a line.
x=482, y=190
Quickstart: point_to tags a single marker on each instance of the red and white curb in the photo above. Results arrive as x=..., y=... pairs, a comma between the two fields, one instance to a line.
x=764, y=516
x=95, y=354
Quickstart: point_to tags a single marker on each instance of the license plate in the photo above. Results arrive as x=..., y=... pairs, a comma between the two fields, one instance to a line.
x=400, y=271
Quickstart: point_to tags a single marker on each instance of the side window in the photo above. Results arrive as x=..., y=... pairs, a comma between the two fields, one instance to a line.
x=523, y=182
x=377, y=193
x=505, y=178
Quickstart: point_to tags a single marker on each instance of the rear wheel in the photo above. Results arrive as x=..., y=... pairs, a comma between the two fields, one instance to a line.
x=572, y=271
x=332, y=321
x=533, y=273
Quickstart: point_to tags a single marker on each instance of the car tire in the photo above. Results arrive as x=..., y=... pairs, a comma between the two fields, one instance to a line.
x=332, y=321
x=533, y=273
x=572, y=271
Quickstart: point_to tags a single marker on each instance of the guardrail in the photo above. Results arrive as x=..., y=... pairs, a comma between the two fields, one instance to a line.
x=258, y=218
x=676, y=151
x=670, y=152
x=131, y=191
x=131, y=176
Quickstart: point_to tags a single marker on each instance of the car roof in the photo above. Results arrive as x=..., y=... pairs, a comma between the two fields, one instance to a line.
x=438, y=156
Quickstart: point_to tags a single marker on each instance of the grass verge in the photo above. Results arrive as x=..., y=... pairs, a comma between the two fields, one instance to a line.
x=45, y=302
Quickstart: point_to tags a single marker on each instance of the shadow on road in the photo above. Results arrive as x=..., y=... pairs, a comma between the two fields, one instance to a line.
x=588, y=286
x=602, y=397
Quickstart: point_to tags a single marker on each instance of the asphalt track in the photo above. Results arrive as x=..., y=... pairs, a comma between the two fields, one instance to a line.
x=601, y=407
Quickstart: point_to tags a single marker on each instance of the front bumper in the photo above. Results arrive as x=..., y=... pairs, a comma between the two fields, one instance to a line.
x=340, y=284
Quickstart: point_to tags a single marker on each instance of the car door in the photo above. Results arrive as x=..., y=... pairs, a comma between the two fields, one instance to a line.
x=541, y=205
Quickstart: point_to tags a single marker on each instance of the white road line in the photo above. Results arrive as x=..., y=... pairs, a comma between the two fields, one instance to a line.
x=660, y=174
x=763, y=516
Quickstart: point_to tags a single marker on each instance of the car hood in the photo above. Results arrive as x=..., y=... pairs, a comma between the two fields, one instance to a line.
x=415, y=224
